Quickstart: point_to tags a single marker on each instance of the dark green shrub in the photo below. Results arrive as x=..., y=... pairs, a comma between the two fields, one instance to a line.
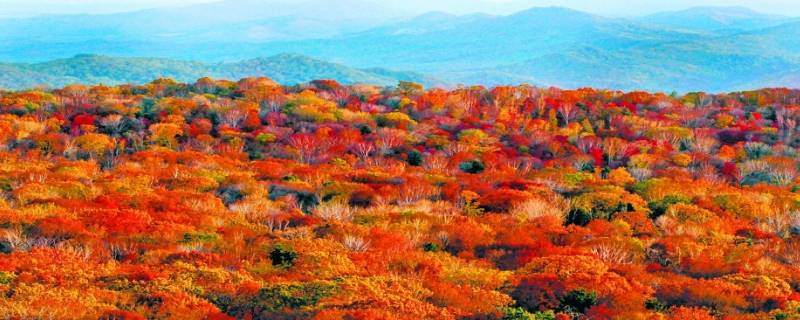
x=415, y=158
x=293, y=296
x=472, y=166
x=589, y=206
x=758, y=177
x=282, y=256
x=512, y=313
x=655, y=305
x=582, y=217
x=229, y=194
x=756, y=150
x=430, y=247
x=5, y=247
x=306, y=200
x=578, y=301
x=280, y=301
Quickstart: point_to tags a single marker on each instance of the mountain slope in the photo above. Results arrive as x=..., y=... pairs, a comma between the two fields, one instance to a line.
x=715, y=19
x=293, y=69
x=104, y=69
x=486, y=41
x=14, y=77
x=286, y=69
x=656, y=70
x=426, y=23
x=226, y=21
x=428, y=43
x=713, y=49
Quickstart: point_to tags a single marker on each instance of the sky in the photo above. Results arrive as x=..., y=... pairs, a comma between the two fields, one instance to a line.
x=17, y=8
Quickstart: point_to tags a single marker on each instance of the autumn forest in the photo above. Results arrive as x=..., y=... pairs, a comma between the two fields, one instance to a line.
x=249, y=199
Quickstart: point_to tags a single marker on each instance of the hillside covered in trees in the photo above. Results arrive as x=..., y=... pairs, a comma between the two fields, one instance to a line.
x=246, y=199
x=287, y=69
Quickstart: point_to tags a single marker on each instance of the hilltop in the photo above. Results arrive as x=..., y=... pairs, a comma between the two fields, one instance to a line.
x=289, y=69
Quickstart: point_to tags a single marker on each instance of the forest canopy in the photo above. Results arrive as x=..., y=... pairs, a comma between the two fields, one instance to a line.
x=247, y=199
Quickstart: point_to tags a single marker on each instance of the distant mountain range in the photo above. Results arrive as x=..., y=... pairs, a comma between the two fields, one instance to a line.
x=706, y=48
x=715, y=19
x=288, y=69
x=227, y=21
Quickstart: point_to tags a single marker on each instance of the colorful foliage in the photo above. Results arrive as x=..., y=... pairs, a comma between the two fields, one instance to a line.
x=249, y=200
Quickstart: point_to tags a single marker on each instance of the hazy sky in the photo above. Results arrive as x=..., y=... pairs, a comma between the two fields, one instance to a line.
x=607, y=7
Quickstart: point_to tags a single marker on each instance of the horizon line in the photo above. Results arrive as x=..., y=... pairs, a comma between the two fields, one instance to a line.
x=412, y=15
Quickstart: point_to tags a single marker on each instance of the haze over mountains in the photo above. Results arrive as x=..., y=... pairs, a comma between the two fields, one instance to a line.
x=715, y=19
x=283, y=68
x=706, y=48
